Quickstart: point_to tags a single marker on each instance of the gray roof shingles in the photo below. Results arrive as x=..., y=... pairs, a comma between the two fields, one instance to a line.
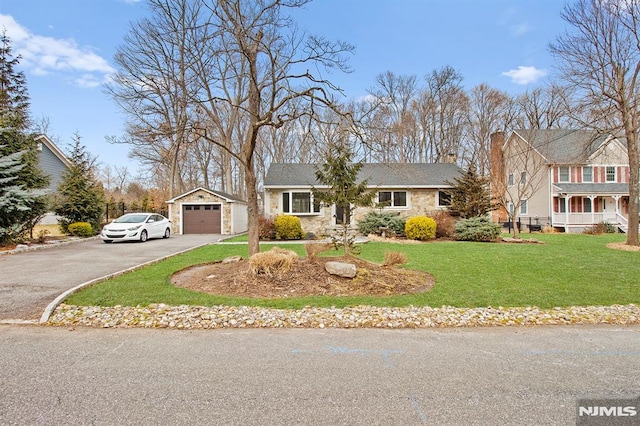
x=593, y=188
x=563, y=146
x=378, y=174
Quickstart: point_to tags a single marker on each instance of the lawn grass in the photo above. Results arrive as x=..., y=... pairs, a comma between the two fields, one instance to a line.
x=242, y=238
x=567, y=270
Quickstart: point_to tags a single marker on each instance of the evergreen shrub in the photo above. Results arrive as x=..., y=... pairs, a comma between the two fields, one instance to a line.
x=373, y=221
x=80, y=229
x=288, y=227
x=477, y=229
x=420, y=228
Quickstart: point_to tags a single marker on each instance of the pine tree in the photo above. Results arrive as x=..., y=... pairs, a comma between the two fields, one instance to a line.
x=470, y=195
x=15, y=201
x=341, y=176
x=16, y=143
x=81, y=197
x=14, y=99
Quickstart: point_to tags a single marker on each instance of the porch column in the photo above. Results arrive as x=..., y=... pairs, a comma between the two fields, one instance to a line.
x=567, y=206
x=593, y=208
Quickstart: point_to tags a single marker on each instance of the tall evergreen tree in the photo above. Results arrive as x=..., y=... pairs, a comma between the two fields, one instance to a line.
x=470, y=195
x=14, y=98
x=344, y=191
x=80, y=196
x=15, y=201
x=16, y=143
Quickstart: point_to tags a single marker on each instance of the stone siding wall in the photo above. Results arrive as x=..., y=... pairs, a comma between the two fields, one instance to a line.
x=200, y=197
x=421, y=202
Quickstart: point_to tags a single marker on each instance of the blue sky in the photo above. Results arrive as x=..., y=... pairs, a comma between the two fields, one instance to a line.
x=67, y=49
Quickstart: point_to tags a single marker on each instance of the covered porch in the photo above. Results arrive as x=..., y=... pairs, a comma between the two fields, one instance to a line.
x=577, y=210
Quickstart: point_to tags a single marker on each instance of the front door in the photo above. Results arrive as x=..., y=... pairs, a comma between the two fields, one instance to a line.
x=608, y=205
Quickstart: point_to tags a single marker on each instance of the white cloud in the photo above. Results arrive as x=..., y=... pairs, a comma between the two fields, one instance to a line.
x=525, y=75
x=520, y=29
x=88, y=81
x=46, y=55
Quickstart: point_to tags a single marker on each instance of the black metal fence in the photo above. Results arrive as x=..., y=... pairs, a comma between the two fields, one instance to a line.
x=115, y=210
x=530, y=224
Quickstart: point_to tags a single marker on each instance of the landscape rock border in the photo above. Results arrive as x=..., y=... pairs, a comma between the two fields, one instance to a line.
x=20, y=248
x=197, y=317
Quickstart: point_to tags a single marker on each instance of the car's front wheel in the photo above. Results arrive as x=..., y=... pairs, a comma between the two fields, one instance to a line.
x=107, y=241
x=143, y=236
x=167, y=233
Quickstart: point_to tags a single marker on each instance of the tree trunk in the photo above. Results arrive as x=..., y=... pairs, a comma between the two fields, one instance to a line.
x=634, y=167
x=253, y=211
x=514, y=223
x=248, y=148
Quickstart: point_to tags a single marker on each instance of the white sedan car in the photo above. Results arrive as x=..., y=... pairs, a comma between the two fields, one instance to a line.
x=136, y=227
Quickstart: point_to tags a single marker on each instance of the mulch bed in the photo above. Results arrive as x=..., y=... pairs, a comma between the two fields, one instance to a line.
x=305, y=278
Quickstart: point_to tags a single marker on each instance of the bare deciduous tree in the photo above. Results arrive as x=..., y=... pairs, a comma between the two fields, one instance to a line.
x=154, y=81
x=444, y=107
x=263, y=48
x=601, y=58
x=490, y=110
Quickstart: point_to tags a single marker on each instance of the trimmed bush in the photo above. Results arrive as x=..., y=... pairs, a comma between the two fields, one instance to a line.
x=373, y=221
x=80, y=229
x=288, y=228
x=420, y=228
x=477, y=229
x=445, y=224
x=267, y=228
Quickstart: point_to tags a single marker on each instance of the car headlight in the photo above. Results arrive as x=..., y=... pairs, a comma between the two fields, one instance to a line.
x=134, y=228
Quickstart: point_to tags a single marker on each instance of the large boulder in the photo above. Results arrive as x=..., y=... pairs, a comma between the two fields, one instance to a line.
x=342, y=269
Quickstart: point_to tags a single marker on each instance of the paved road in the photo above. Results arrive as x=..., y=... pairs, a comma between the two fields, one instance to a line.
x=482, y=376
x=29, y=281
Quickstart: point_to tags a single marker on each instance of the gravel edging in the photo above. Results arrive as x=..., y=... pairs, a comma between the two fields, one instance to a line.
x=198, y=317
x=22, y=248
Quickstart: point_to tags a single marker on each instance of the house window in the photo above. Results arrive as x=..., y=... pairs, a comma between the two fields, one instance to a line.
x=510, y=208
x=564, y=174
x=586, y=205
x=587, y=174
x=299, y=203
x=524, y=208
x=392, y=198
x=523, y=178
x=444, y=199
x=510, y=180
x=611, y=173
x=562, y=208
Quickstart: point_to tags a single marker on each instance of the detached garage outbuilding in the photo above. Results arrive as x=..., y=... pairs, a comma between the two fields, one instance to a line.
x=205, y=211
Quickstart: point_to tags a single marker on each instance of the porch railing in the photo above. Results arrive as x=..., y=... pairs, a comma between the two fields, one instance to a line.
x=586, y=219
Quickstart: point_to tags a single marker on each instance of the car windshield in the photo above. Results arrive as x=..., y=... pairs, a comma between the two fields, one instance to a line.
x=131, y=218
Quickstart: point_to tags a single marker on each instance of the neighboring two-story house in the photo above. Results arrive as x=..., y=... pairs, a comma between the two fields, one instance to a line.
x=408, y=189
x=567, y=179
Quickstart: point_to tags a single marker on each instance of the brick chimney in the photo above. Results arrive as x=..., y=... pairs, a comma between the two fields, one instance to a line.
x=451, y=158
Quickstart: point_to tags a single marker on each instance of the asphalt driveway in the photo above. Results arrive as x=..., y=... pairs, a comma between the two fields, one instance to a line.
x=29, y=281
